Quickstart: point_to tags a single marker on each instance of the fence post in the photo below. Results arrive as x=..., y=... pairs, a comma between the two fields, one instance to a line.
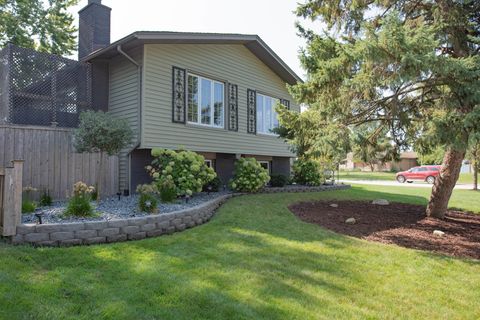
x=12, y=198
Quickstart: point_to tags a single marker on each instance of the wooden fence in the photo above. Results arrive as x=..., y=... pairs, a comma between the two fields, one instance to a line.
x=11, y=198
x=50, y=161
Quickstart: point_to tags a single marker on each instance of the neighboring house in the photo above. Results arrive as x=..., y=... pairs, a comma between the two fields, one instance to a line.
x=210, y=93
x=407, y=160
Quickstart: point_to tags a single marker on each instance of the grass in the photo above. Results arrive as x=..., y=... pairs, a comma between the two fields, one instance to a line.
x=254, y=260
x=389, y=176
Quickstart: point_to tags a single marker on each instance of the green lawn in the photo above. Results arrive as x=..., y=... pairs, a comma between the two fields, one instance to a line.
x=254, y=260
x=389, y=176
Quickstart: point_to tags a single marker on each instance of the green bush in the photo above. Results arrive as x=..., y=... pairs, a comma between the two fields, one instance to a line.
x=186, y=169
x=28, y=206
x=79, y=204
x=168, y=191
x=45, y=199
x=278, y=180
x=249, y=176
x=148, y=201
x=215, y=185
x=308, y=172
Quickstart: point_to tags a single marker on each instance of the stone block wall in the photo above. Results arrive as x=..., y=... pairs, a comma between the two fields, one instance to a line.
x=94, y=232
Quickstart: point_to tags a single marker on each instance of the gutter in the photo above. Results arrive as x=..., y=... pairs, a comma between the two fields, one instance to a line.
x=139, y=113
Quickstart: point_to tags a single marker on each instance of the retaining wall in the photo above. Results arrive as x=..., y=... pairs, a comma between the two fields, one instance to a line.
x=95, y=232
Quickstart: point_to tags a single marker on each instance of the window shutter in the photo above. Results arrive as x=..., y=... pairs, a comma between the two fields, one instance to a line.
x=286, y=103
x=178, y=95
x=232, y=107
x=251, y=111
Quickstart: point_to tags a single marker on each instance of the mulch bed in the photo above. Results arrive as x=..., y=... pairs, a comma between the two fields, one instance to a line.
x=397, y=223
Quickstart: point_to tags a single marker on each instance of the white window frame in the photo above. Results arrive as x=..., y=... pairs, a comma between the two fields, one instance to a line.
x=267, y=163
x=212, y=102
x=273, y=112
x=210, y=163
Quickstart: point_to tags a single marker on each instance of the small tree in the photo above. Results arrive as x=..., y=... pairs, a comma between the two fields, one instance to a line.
x=473, y=154
x=100, y=132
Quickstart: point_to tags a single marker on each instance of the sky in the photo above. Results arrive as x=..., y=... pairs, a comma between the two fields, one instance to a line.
x=272, y=20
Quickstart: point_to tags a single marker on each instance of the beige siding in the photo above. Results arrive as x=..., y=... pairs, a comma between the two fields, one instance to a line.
x=232, y=63
x=124, y=101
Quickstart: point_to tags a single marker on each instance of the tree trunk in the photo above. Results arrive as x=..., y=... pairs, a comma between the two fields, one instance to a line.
x=475, y=174
x=445, y=182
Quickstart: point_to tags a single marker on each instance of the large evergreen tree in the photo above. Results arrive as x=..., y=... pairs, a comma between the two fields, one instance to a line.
x=42, y=25
x=412, y=67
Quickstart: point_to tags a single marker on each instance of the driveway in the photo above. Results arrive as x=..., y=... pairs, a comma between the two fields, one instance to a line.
x=419, y=184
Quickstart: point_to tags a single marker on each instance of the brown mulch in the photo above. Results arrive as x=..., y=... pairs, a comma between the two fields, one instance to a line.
x=397, y=223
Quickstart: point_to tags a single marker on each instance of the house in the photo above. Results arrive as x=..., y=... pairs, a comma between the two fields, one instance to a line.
x=408, y=159
x=210, y=93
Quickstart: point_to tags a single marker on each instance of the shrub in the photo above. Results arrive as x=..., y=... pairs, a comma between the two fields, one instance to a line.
x=168, y=191
x=308, y=172
x=147, y=201
x=45, y=199
x=28, y=205
x=213, y=186
x=79, y=204
x=186, y=169
x=278, y=180
x=249, y=176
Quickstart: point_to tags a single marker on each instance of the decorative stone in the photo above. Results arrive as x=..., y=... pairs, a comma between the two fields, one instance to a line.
x=438, y=233
x=334, y=205
x=351, y=221
x=84, y=234
x=117, y=238
x=62, y=236
x=36, y=237
x=95, y=240
x=131, y=229
x=148, y=227
x=108, y=232
x=381, y=202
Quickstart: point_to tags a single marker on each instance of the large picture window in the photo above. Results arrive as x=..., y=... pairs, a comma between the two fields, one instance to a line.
x=266, y=115
x=205, y=101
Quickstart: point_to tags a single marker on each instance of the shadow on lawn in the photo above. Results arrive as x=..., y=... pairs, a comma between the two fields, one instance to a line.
x=253, y=260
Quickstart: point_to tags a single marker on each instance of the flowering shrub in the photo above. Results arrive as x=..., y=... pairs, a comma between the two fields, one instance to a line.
x=249, y=176
x=147, y=202
x=308, y=172
x=79, y=204
x=168, y=191
x=185, y=169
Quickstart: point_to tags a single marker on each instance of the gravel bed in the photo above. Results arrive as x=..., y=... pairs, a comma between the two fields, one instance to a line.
x=112, y=208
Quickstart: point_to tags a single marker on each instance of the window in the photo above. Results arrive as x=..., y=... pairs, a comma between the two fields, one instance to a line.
x=266, y=116
x=205, y=101
x=208, y=163
x=265, y=165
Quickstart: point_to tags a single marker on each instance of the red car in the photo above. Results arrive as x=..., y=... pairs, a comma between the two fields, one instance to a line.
x=423, y=173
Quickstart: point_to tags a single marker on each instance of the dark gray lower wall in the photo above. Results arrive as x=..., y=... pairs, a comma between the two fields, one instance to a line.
x=140, y=158
x=224, y=166
x=281, y=165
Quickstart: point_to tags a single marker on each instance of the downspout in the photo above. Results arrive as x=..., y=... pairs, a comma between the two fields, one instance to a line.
x=139, y=113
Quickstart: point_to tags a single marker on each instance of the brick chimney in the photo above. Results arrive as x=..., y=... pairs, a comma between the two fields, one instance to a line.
x=94, y=28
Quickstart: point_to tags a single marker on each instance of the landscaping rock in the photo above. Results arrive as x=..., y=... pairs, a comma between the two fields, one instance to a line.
x=438, y=233
x=351, y=221
x=381, y=202
x=334, y=205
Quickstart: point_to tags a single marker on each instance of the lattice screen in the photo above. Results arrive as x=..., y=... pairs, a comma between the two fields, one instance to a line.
x=45, y=89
